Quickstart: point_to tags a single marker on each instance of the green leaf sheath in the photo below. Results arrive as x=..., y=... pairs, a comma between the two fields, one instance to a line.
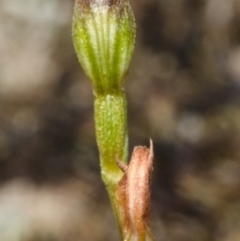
x=111, y=130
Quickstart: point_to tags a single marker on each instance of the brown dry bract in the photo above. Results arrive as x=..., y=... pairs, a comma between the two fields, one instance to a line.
x=133, y=192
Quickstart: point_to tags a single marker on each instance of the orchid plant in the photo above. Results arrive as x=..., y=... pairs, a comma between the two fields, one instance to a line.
x=104, y=37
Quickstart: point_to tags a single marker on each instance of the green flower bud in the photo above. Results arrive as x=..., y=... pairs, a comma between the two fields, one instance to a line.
x=104, y=36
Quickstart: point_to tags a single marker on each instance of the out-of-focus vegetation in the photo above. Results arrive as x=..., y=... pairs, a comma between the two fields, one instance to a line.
x=183, y=91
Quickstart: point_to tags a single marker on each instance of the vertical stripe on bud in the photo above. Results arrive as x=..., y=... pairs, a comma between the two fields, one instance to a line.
x=104, y=36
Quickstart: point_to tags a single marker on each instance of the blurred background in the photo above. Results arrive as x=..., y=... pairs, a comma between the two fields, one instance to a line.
x=183, y=91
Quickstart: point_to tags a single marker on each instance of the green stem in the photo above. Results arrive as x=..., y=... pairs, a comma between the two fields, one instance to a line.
x=111, y=131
